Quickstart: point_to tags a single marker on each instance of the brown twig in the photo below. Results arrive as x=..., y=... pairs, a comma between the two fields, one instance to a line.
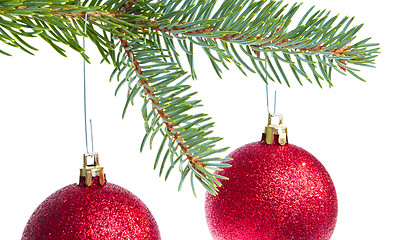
x=60, y=12
x=82, y=15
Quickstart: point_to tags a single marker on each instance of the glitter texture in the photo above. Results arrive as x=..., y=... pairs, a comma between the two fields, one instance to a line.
x=274, y=193
x=98, y=212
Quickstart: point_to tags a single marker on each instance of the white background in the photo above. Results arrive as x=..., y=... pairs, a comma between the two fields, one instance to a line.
x=361, y=132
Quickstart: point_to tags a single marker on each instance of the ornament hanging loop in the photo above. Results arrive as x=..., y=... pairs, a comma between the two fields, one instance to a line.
x=95, y=158
x=270, y=116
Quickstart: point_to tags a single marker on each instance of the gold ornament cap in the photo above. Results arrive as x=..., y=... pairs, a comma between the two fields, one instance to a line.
x=276, y=132
x=89, y=171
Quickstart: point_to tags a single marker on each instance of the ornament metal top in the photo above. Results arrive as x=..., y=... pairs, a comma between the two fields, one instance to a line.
x=275, y=133
x=89, y=171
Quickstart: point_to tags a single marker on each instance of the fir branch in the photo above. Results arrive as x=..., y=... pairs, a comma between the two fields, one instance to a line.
x=265, y=32
x=150, y=69
x=256, y=36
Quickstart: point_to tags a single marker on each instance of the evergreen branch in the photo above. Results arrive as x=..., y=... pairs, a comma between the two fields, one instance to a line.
x=161, y=84
x=261, y=27
x=256, y=36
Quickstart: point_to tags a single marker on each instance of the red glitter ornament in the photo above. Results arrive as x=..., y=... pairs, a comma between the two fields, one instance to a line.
x=276, y=191
x=92, y=209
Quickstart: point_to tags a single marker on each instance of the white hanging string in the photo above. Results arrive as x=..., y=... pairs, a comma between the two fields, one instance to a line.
x=85, y=106
x=267, y=95
x=275, y=100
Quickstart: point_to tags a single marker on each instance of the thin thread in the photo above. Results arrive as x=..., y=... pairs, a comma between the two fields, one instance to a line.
x=266, y=89
x=84, y=71
x=275, y=102
x=92, y=136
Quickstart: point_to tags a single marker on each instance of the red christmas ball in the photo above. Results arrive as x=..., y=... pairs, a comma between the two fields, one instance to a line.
x=274, y=192
x=96, y=212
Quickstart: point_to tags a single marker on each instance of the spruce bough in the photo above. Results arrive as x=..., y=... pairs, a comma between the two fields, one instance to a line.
x=142, y=39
